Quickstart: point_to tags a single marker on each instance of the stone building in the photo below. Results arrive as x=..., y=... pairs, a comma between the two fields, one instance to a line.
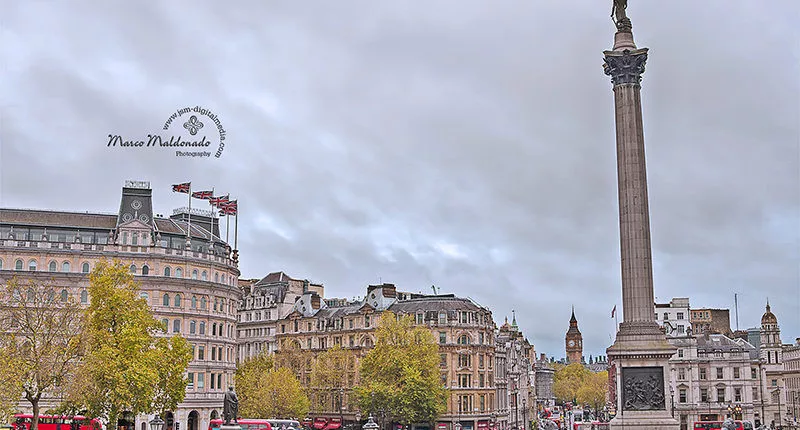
x=186, y=272
x=709, y=320
x=573, y=341
x=520, y=389
x=545, y=398
x=773, y=389
x=791, y=380
x=674, y=316
x=264, y=302
x=464, y=331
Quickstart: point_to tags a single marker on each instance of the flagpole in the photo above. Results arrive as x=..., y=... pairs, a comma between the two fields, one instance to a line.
x=189, y=228
x=227, y=228
x=616, y=320
x=236, y=228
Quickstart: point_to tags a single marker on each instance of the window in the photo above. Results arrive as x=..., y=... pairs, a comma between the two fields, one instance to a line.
x=463, y=339
x=737, y=394
x=420, y=318
x=442, y=318
x=721, y=395
x=366, y=320
x=167, y=271
x=203, y=303
x=704, y=395
x=85, y=268
x=204, y=276
x=681, y=329
x=719, y=373
x=702, y=374
x=682, y=395
x=216, y=277
x=464, y=360
x=735, y=373
x=442, y=360
x=480, y=361
x=134, y=239
x=53, y=266
x=192, y=327
x=214, y=329
x=194, y=274
x=666, y=316
x=165, y=300
x=680, y=353
x=176, y=326
x=442, y=337
x=480, y=338
x=179, y=273
x=202, y=327
x=190, y=377
x=753, y=374
x=145, y=296
x=201, y=350
x=133, y=269
x=464, y=381
x=124, y=237
x=481, y=380
x=145, y=270
x=84, y=297
x=18, y=265
x=32, y=265
x=681, y=374
x=219, y=380
x=165, y=323
x=201, y=380
x=177, y=300
x=64, y=295
x=213, y=358
x=755, y=393
x=680, y=315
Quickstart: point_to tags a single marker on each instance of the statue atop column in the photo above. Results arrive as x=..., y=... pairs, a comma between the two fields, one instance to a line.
x=619, y=17
x=230, y=407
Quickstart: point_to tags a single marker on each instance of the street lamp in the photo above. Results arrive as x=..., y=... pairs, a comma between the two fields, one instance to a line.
x=156, y=423
x=457, y=425
x=524, y=414
x=341, y=407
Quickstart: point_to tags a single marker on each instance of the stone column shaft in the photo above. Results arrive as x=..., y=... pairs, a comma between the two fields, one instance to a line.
x=634, y=215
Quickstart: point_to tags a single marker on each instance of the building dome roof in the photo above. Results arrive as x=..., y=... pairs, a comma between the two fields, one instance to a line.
x=768, y=317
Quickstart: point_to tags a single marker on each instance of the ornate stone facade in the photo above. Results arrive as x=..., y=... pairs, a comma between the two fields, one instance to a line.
x=190, y=285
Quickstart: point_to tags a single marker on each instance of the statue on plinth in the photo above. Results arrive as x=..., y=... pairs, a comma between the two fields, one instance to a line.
x=230, y=407
x=619, y=17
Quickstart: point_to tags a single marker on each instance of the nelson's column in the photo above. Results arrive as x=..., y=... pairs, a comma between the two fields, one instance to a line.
x=640, y=353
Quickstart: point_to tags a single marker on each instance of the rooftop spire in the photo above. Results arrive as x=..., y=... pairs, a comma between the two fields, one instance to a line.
x=572, y=318
x=768, y=310
x=513, y=318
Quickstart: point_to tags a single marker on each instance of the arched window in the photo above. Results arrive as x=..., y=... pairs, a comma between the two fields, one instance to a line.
x=145, y=296
x=194, y=274
x=214, y=329
x=177, y=300
x=176, y=326
x=165, y=301
x=32, y=265
x=203, y=303
x=65, y=266
x=85, y=268
x=145, y=270
x=133, y=269
x=166, y=271
x=84, y=297
x=216, y=277
x=64, y=295
x=192, y=327
x=194, y=302
x=202, y=327
x=18, y=265
x=179, y=273
x=53, y=266
x=463, y=339
x=204, y=276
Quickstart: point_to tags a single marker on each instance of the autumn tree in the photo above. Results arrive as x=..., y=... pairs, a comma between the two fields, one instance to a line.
x=265, y=390
x=400, y=374
x=568, y=380
x=129, y=364
x=11, y=375
x=44, y=341
x=329, y=375
x=594, y=389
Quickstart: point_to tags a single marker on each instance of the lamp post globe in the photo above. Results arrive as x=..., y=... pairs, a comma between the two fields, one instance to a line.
x=156, y=423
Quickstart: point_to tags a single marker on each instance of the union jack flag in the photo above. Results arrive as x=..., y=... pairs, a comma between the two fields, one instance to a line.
x=203, y=195
x=219, y=201
x=182, y=188
x=229, y=208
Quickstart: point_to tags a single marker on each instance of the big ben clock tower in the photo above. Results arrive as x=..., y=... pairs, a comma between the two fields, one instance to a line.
x=574, y=341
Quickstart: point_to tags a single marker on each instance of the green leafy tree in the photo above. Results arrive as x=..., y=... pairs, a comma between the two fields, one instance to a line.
x=129, y=365
x=329, y=375
x=568, y=380
x=593, y=390
x=268, y=391
x=401, y=373
x=43, y=344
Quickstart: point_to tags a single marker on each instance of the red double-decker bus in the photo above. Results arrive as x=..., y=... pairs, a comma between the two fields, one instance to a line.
x=56, y=422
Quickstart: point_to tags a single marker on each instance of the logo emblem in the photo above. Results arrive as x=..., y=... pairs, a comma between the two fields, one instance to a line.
x=193, y=125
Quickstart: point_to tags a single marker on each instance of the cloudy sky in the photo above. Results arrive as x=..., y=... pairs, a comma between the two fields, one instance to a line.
x=466, y=144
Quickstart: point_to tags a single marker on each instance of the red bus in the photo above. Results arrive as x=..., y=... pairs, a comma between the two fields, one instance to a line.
x=244, y=423
x=713, y=425
x=56, y=422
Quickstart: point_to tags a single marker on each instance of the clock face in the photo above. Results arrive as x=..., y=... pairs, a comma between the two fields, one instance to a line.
x=572, y=343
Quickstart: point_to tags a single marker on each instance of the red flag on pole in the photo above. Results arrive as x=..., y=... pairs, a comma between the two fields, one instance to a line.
x=182, y=188
x=203, y=195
